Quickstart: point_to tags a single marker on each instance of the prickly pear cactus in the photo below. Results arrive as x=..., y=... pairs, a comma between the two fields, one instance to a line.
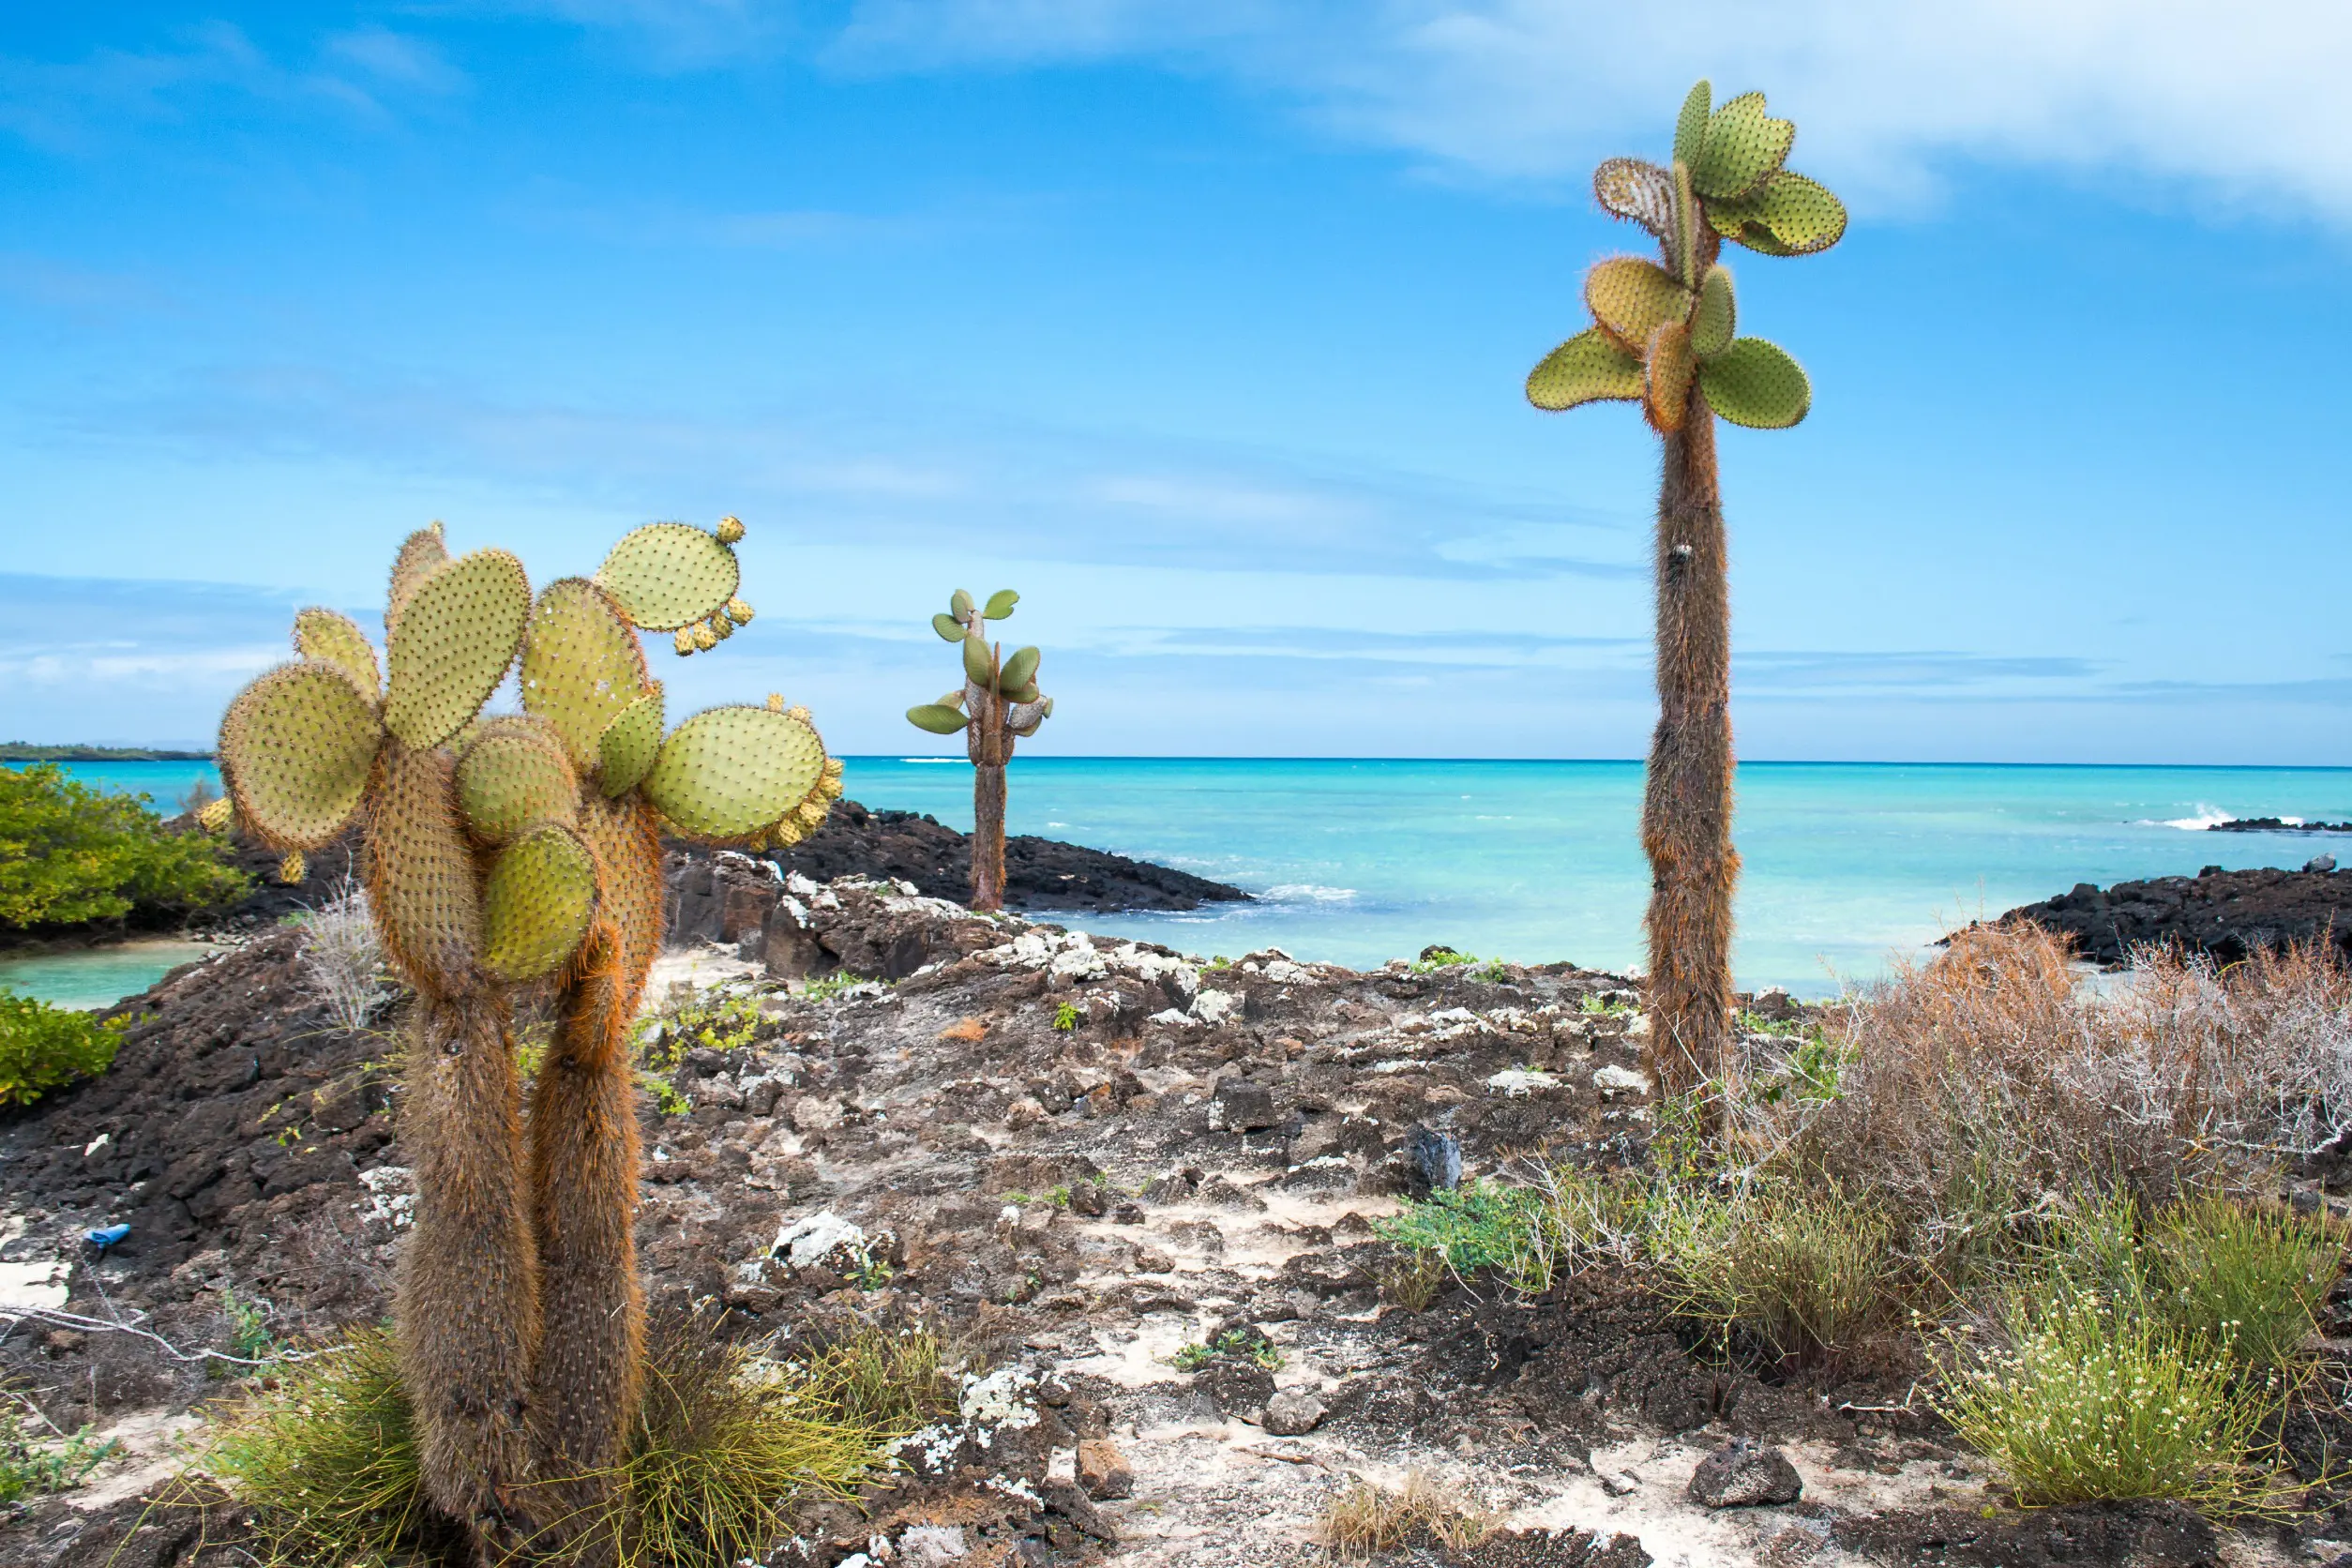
x=998, y=705
x=505, y=850
x=1661, y=328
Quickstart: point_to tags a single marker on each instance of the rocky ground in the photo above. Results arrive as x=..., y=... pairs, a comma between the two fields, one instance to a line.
x=2227, y=913
x=1077, y=1157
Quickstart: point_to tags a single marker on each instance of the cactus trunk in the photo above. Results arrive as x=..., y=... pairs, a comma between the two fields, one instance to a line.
x=1687, y=810
x=469, y=1299
x=990, y=744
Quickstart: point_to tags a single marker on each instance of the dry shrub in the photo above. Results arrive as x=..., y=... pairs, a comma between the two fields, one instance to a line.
x=1990, y=1084
x=1365, y=1519
x=342, y=957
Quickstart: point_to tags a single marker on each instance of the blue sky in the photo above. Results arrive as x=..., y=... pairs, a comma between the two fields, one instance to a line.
x=1203, y=325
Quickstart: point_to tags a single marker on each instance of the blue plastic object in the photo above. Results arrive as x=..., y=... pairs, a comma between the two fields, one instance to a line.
x=106, y=1237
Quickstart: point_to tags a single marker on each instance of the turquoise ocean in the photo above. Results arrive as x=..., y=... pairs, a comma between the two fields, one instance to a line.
x=1845, y=864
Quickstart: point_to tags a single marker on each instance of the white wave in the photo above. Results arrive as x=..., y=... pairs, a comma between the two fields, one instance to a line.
x=2206, y=817
x=1308, y=893
x=948, y=761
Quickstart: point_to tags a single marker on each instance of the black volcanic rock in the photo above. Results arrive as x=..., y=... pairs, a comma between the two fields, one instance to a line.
x=2225, y=914
x=1039, y=873
x=2276, y=825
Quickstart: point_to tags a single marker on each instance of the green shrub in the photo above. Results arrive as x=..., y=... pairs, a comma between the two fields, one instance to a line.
x=1482, y=1227
x=2086, y=1403
x=70, y=853
x=31, y=1465
x=1066, y=1018
x=2251, y=1279
x=1802, y=1272
x=44, y=1047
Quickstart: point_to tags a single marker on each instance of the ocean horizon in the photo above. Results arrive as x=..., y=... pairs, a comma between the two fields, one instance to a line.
x=1848, y=867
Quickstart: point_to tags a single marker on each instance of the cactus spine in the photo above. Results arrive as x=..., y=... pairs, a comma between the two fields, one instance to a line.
x=998, y=705
x=1664, y=335
x=507, y=852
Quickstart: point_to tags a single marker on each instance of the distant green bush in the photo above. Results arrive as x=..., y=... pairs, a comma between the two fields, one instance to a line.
x=44, y=1047
x=70, y=853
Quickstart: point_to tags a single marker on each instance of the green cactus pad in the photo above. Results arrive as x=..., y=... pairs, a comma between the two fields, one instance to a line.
x=959, y=605
x=1788, y=215
x=669, y=575
x=937, y=717
x=1715, y=316
x=422, y=553
x=514, y=773
x=630, y=743
x=1643, y=192
x=1631, y=297
x=979, y=663
x=330, y=636
x=1743, y=146
x=1756, y=384
x=581, y=665
x=1667, y=371
x=949, y=628
x=296, y=751
x=1020, y=670
x=727, y=773
x=1588, y=367
x=1000, y=605
x=1690, y=126
x=421, y=882
x=537, y=903
x=452, y=645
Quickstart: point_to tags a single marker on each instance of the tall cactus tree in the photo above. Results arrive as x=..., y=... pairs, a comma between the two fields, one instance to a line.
x=998, y=703
x=1665, y=337
x=507, y=852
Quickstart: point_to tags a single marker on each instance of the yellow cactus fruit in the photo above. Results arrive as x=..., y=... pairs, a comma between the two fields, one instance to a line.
x=296, y=751
x=452, y=644
x=330, y=636
x=740, y=613
x=668, y=575
x=537, y=903
x=727, y=773
x=1631, y=297
x=421, y=882
x=291, y=869
x=422, y=553
x=216, y=815
x=625, y=752
x=810, y=814
x=1668, y=370
x=722, y=627
x=684, y=642
x=515, y=773
x=705, y=639
x=797, y=711
x=729, y=530
x=775, y=702
x=581, y=665
x=784, y=834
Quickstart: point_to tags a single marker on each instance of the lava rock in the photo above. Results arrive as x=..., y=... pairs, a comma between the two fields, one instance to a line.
x=1102, y=1471
x=1293, y=1413
x=2230, y=915
x=1742, y=1474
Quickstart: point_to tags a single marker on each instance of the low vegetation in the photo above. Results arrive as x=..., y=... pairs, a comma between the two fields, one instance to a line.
x=1366, y=1519
x=342, y=958
x=44, y=1047
x=2057, y=1207
x=69, y=853
x=322, y=1455
x=37, y=1459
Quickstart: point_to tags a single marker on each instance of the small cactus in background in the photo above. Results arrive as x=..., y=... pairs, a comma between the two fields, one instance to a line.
x=1664, y=335
x=505, y=852
x=998, y=703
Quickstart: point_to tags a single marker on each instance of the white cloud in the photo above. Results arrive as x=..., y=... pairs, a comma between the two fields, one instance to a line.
x=2243, y=100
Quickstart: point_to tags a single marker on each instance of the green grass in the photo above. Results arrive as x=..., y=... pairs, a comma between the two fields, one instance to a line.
x=1243, y=1343
x=31, y=1465
x=44, y=1047
x=323, y=1456
x=2251, y=1279
x=825, y=988
x=1804, y=1274
x=1485, y=1227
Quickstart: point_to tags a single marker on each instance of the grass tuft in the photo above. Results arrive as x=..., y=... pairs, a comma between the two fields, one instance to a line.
x=1365, y=1520
x=2250, y=1279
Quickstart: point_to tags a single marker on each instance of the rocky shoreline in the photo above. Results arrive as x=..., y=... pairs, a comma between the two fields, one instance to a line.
x=2227, y=914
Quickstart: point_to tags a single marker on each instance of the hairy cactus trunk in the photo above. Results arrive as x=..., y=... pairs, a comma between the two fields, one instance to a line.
x=1686, y=811
x=989, y=745
x=469, y=1299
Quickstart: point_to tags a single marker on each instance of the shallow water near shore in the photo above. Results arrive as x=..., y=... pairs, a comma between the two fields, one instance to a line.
x=95, y=977
x=1355, y=862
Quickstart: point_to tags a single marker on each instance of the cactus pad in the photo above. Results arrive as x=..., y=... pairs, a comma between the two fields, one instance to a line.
x=1743, y=146
x=959, y=605
x=1666, y=371
x=1714, y=319
x=1756, y=384
x=1630, y=189
x=537, y=903
x=421, y=882
x=1690, y=125
x=979, y=663
x=1631, y=298
x=1586, y=369
x=939, y=719
x=333, y=638
x=669, y=575
x=515, y=773
x=422, y=554
x=452, y=644
x=581, y=665
x=727, y=773
x=949, y=628
x=1788, y=215
x=1000, y=605
x=628, y=854
x=625, y=752
x=1020, y=670
x=296, y=751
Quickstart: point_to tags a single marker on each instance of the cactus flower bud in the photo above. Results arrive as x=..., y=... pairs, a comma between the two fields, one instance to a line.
x=217, y=815
x=728, y=529
x=291, y=869
x=684, y=642
x=740, y=613
x=775, y=702
x=703, y=637
x=722, y=627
